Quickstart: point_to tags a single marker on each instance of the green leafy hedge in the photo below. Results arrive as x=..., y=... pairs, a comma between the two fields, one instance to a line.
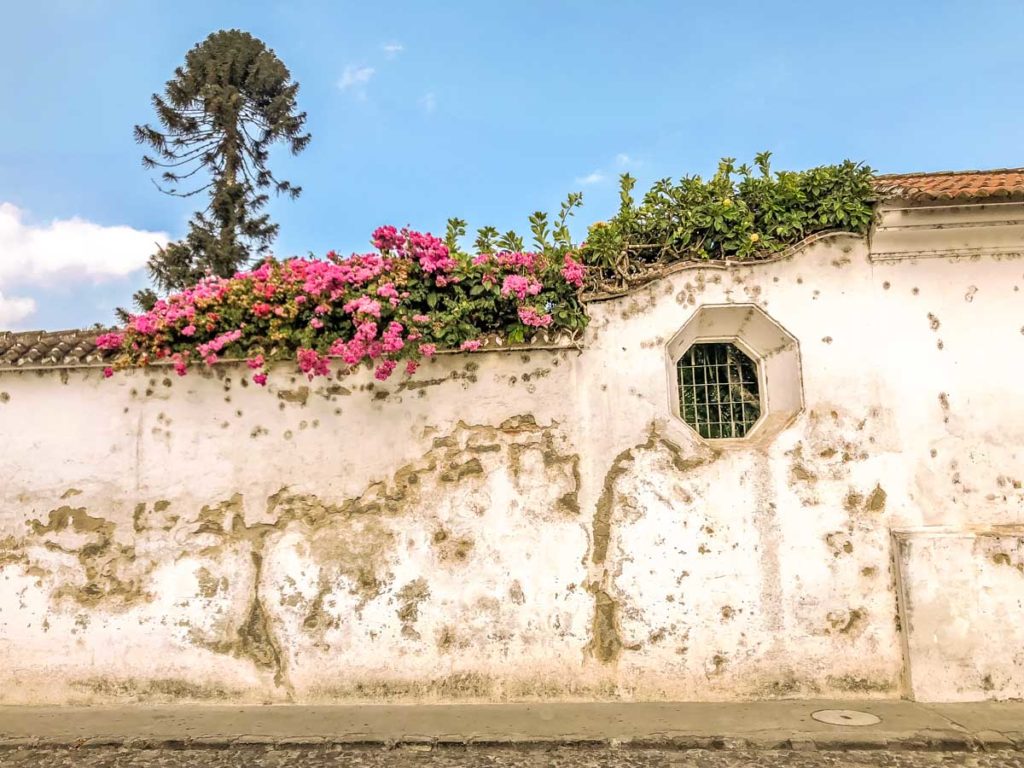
x=739, y=214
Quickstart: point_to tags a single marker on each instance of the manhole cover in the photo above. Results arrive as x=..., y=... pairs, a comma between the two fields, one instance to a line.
x=845, y=717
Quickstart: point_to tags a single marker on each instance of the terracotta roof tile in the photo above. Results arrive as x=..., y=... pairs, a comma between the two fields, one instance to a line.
x=20, y=350
x=954, y=185
x=34, y=349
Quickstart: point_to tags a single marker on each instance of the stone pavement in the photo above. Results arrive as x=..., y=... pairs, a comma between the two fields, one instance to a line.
x=711, y=734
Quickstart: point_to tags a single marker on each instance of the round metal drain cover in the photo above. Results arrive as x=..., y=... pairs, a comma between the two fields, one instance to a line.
x=845, y=717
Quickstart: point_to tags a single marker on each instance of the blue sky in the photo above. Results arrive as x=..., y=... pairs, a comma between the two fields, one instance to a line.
x=484, y=110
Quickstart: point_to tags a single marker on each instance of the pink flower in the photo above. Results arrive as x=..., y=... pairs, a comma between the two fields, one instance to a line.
x=356, y=353
x=392, y=337
x=482, y=258
x=145, y=324
x=530, y=316
x=384, y=370
x=218, y=343
x=255, y=362
x=470, y=346
x=352, y=352
x=262, y=309
x=520, y=286
x=388, y=291
x=431, y=252
x=111, y=340
x=366, y=331
x=260, y=378
x=387, y=238
x=421, y=318
x=312, y=363
x=300, y=299
x=428, y=350
x=108, y=372
x=573, y=271
x=363, y=305
x=188, y=330
x=317, y=323
x=410, y=367
x=527, y=261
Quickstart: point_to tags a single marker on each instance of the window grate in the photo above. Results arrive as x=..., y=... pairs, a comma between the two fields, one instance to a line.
x=718, y=390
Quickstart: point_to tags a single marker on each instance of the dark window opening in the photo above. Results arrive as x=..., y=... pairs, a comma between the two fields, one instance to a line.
x=719, y=394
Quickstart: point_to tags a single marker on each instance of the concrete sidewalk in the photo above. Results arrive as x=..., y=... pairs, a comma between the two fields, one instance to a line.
x=759, y=725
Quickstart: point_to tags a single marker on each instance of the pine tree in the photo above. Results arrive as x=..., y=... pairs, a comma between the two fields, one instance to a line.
x=219, y=115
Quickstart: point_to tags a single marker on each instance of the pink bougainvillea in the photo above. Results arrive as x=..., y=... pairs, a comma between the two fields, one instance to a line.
x=400, y=304
x=521, y=286
x=312, y=363
x=573, y=271
x=110, y=340
x=533, y=318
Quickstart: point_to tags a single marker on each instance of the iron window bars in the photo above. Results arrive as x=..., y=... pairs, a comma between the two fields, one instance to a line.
x=719, y=394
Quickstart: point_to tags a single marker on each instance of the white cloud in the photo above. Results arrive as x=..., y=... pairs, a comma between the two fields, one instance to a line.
x=392, y=49
x=355, y=77
x=69, y=249
x=591, y=178
x=429, y=102
x=623, y=159
x=14, y=309
x=64, y=252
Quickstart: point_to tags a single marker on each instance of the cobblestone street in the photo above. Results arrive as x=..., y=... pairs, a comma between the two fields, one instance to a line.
x=563, y=757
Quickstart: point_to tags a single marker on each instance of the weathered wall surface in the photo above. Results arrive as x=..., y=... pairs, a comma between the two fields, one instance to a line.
x=961, y=599
x=513, y=525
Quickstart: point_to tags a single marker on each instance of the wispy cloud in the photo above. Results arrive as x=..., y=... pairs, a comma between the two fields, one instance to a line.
x=392, y=49
x=15, y=309
x=355, y=78
x=429, y=102
x=618, y=165
x=64, y=252
x=595, y=177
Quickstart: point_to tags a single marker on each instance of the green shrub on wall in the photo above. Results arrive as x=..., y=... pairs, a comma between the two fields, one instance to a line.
x=739, y=214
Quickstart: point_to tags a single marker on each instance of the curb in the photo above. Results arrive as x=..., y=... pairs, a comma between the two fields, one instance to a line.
x=928, y=741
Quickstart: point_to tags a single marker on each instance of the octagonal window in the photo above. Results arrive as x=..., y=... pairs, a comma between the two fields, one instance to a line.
x=719, y=391
x=734, y=375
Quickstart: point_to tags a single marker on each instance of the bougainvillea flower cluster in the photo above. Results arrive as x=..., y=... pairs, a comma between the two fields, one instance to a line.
x=403, y=303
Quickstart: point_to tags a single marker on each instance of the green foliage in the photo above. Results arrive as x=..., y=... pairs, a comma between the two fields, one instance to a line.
x=475, y=302
x=550, y=239
x=557, y=241
x=219, y=115
x=740, y=214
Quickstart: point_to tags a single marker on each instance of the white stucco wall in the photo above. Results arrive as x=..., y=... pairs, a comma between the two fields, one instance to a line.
x=514, y=525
